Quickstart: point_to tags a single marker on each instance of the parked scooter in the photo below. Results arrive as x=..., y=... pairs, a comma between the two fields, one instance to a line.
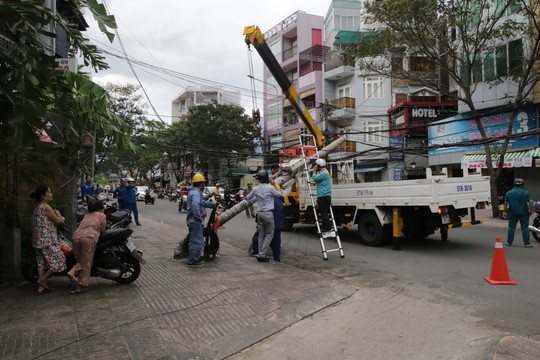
x=535, y=227
x=116, y=258
x=115, y=218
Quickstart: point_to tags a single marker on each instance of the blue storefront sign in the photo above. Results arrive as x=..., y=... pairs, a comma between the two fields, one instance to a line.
x=398, y=174
x=397, y=144
x=462, y=128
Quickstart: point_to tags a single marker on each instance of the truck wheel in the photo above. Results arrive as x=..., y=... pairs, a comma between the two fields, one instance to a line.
x=370, y=230
x=444, y=233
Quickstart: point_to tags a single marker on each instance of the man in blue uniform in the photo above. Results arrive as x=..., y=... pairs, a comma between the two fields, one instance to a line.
x=195, y=219
x=87, y=189
x=520, y=203
x=120, y=193
x=130, y=201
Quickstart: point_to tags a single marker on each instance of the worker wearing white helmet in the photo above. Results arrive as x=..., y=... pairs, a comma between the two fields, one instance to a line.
x=322, y=179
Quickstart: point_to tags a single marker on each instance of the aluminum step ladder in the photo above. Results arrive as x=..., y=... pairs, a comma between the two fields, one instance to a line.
x=306, y=144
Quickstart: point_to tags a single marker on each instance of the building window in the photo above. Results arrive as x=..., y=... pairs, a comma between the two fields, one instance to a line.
x=515, y=57
x=373, y=87
x=351, y=23
x=373, y=131
x=489, y=65
x=275, y=47
x=274, y=142
x=343, y=91
x=501, y=59
x=500, y=62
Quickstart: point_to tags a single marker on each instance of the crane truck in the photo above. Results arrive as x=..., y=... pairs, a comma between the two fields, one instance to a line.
x=382, y=210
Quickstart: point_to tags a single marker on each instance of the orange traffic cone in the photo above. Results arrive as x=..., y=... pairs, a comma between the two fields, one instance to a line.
x=499, y=270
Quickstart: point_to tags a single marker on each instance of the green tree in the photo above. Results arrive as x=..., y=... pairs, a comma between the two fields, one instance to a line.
x=143, y=163
x=455, y=38
x=219, y=132
x=33, y=92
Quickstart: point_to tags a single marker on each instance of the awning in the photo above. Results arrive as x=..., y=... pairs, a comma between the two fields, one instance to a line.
x=511, y=159
x=368, y=169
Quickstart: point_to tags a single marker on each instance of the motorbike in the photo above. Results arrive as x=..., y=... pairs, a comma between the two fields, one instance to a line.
x=115, y=218
x=182, y=203
x=535, y=227
x=173, y=196
x=149, y=199
x=116, y=258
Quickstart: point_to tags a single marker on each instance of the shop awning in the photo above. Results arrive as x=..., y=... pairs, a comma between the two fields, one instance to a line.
x=368, y=169
x=512, y=159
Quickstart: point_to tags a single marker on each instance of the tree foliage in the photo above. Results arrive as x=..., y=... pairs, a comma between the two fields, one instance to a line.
x=452, y=38
x=34, y=92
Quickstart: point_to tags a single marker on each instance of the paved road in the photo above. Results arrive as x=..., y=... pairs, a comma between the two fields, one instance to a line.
x=304, y=308
x=456, y=268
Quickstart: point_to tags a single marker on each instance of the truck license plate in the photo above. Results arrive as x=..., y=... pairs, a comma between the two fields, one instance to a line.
x=131, y=246
x=445, y=218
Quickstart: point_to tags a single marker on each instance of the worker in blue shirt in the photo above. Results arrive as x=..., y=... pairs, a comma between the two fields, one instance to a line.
x=322, y=179
x=263, y=194
x=120, y=193
x=130, y=200
x=520, y=203
x=87, y=189
x=195, y=218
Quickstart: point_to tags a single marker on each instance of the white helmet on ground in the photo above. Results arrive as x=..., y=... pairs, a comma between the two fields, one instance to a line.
x=320, y=162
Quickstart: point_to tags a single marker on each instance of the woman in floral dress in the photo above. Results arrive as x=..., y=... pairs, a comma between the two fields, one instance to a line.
x=49, y=256
x=84, y=240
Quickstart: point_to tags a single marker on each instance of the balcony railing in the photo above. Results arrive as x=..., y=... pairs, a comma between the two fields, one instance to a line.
x=290, y=52
x=347, y=146
x=344, y=103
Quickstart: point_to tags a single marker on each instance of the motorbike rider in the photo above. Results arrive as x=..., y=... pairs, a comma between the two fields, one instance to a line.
x=195, y=219
x=147, y=193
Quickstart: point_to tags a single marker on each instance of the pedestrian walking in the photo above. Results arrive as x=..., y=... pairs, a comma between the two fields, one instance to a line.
x=87, y=189
x=84, y=242
x=250, y=211
x=49, y=256
x=518, y=206
x=263, y=195
x=130, y=201
x=322, y=179
x=195, y=218
x=120, y=193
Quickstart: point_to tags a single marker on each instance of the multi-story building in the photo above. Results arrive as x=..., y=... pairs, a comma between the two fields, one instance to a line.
x=376, y=111
x=494, y=89
x=357, y=100
x=297, y=44
x=200, y=95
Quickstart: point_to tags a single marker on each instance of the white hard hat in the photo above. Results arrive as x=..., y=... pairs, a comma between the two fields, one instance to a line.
x=130, y=179
x=320, y=162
